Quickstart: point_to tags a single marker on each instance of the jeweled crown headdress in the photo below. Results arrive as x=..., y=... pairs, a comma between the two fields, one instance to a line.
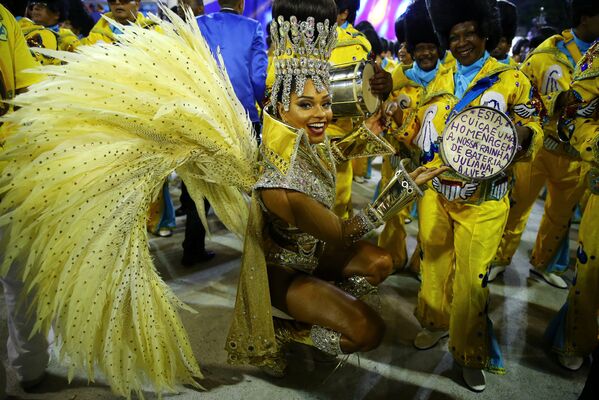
x=301, y=51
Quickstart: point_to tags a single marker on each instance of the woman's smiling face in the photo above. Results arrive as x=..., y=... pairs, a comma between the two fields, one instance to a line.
x=465, y=43
x=311, y=111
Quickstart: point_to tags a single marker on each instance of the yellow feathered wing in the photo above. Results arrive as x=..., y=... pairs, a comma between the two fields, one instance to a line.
x=89, y=150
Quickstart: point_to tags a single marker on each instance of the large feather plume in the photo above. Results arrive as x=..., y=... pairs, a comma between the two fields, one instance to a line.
x=86, y=153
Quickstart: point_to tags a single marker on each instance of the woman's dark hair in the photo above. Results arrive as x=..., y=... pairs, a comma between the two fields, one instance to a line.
x=318, y=9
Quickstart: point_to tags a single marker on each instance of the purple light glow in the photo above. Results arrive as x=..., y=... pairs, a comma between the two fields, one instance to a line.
x=382, y=14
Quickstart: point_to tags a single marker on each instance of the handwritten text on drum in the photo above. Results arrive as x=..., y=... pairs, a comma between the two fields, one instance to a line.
x=479, y=143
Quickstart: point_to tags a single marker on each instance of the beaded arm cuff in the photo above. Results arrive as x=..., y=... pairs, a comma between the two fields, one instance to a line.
x=360, y=143
x=400, y=192
x=357, y=286
x=360, y=224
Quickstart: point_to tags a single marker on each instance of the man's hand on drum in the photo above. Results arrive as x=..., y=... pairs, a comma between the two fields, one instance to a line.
x=421, y=175
x=381, y=84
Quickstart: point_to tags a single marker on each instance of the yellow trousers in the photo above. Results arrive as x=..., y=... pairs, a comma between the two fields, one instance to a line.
x=343, y=206
x=565, y=186
x=458, y=242
x=574, y=330
x=393, y=236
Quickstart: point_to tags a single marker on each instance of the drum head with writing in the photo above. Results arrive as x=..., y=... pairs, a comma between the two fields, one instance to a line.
x=370, y=101
x=479, y=143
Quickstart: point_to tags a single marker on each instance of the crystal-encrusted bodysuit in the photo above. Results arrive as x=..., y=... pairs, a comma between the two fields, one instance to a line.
x=311, y=171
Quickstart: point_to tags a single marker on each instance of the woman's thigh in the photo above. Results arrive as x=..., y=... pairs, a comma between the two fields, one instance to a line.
x=362, y=259
x=314, y=301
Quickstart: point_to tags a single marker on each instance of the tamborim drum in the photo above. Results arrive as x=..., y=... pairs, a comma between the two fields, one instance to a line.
x=350, y=87
x=479, y=143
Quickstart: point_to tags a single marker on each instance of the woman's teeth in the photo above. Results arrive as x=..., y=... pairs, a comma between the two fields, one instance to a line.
x=316, y=126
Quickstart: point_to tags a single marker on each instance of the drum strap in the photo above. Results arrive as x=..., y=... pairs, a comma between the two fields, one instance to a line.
x=479, y=88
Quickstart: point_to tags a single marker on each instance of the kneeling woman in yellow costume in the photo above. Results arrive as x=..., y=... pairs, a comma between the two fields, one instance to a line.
x=306, y=246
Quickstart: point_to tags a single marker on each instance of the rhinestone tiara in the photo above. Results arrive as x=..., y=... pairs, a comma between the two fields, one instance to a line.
x=301, y=51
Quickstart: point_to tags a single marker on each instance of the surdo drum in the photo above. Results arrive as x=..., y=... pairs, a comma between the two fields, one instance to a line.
x=350, y=87
x=479, y=143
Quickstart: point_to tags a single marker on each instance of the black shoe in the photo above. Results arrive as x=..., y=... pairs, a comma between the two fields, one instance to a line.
x=179, y=212
x=189, y=260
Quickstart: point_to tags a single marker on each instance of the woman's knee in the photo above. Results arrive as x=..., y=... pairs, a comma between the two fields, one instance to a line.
x=367, y=330
x=380, y=266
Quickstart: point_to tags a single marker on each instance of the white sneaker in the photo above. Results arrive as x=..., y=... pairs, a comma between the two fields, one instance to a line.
x=551, y=278
x=359, y=179
x=474, y=378
x=573, y=363
x=495, y=271
x=427, y=339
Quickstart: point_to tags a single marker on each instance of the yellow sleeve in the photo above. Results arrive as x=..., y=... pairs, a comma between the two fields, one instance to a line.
x=536, y=67
x=93, y=38
x=399, y=78
x=68, y=41
x=524, y=113
x=23, y=59
x=585, y=138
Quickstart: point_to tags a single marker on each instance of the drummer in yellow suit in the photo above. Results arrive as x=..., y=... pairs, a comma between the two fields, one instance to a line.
x=42, y=29
x=352, y=47
x=123, y=12
x=573, y=332
x=557, y=164
x=409, y=90
x=462, y=221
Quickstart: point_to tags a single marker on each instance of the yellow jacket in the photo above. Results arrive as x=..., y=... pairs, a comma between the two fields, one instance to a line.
x=549, y=69
x=40, y=36
x=101, y=32
x=409, y=95
x=15, y=57
x=67, y=40
x=352, y=46
x=511, y=94
x=585, y=138
x=64, y=39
